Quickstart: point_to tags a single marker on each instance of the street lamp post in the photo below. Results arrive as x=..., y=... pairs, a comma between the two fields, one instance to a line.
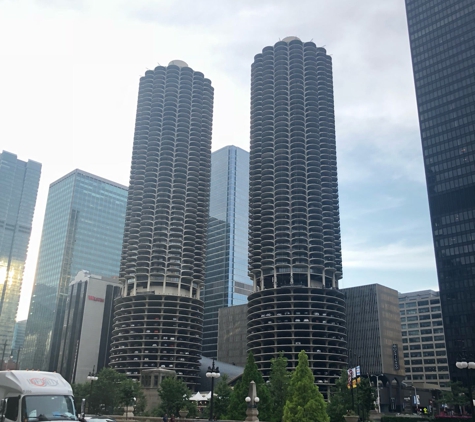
x=415, y=400
x=468, y=366
x=377, y=388
x=91, y=377
x=212, y=373
x=252, y=400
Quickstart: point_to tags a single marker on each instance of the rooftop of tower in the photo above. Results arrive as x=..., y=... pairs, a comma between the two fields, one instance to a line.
x=179, y=63
x=291, y=38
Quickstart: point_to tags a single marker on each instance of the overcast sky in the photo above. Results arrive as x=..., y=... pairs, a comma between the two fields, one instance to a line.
x=68, y=91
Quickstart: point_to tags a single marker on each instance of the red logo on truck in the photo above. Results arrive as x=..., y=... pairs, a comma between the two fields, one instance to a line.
x=43, y=382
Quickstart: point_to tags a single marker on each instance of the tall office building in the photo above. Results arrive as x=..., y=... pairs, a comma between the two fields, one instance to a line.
x=19, y=182
x=374, y=340
x=83, y=228
x=227, y=282
x=86, y=334
x=425, y=354
x=294, y=232
x=442, y=38
x=159, y=320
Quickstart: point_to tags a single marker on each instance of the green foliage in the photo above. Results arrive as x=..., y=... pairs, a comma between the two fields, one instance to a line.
x=340, y=399
x=222, y=396
x=305, y=403
x=109, y=394
x=456, y=396
x=278, y=387
x=365, y=398
x=174, y=395
x=237, y=404
x=81, y=391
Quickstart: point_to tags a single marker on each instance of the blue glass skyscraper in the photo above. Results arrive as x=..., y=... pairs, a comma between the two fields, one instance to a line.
x=83, y=230
x=18, y=188
x=226, y=282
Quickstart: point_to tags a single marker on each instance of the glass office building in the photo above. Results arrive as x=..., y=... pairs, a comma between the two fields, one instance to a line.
x=83, y=229
x=19, y=182
x=442, y=38
x=227, y=282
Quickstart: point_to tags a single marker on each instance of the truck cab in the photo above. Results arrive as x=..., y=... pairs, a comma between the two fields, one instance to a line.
x=35, y=396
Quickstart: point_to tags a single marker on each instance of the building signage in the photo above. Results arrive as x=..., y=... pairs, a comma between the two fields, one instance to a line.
x=95, y=299
x=395, y=357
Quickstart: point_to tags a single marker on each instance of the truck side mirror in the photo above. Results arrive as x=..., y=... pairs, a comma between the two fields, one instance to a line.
x=83, y=408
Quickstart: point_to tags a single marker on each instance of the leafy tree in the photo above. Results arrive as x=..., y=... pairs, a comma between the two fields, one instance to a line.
x=237, y=404
x=365, y=398
x=305, y=403
x=222, y=395
x=81, y=391
x=278, y=385
x=456, y=396
x=340, y=399
x=131, y=394
x=109, y=394
x=174, y=396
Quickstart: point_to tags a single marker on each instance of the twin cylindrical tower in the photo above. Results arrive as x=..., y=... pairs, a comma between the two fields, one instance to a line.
x=294, y=229
x=159, y=319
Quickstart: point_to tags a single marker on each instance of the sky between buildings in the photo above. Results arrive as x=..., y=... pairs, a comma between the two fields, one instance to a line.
x=68, y=93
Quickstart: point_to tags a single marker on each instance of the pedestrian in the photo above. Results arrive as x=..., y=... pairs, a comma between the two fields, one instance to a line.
x=172, y=418
x=165, y=418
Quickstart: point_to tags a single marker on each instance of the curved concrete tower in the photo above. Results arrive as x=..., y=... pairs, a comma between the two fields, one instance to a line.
x=159, y=320
x=294, y=231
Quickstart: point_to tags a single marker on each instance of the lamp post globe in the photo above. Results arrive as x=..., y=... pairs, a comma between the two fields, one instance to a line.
x=212, y=372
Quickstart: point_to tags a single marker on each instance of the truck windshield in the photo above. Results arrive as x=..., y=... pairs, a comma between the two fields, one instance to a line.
x=48, y=408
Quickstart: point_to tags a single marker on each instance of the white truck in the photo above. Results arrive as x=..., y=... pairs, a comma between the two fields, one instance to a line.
x=35, y=396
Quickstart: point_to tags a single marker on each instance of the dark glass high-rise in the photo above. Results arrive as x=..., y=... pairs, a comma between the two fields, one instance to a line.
x=442, y=39
x=158, y=322
x=294, y=229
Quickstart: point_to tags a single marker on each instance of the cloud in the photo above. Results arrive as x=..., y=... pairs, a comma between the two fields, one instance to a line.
x=62, y=4
x=393, y=256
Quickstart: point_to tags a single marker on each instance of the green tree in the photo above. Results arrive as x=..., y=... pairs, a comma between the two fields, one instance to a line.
x=174, y=396
x=131, y=394
x=222, y=395
x=237, y=402
x=305, y=403
x=456, y=396
x=278, y=386
x=365, y=395
x=109, y=394
x=81, y=391
x=340, y=399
